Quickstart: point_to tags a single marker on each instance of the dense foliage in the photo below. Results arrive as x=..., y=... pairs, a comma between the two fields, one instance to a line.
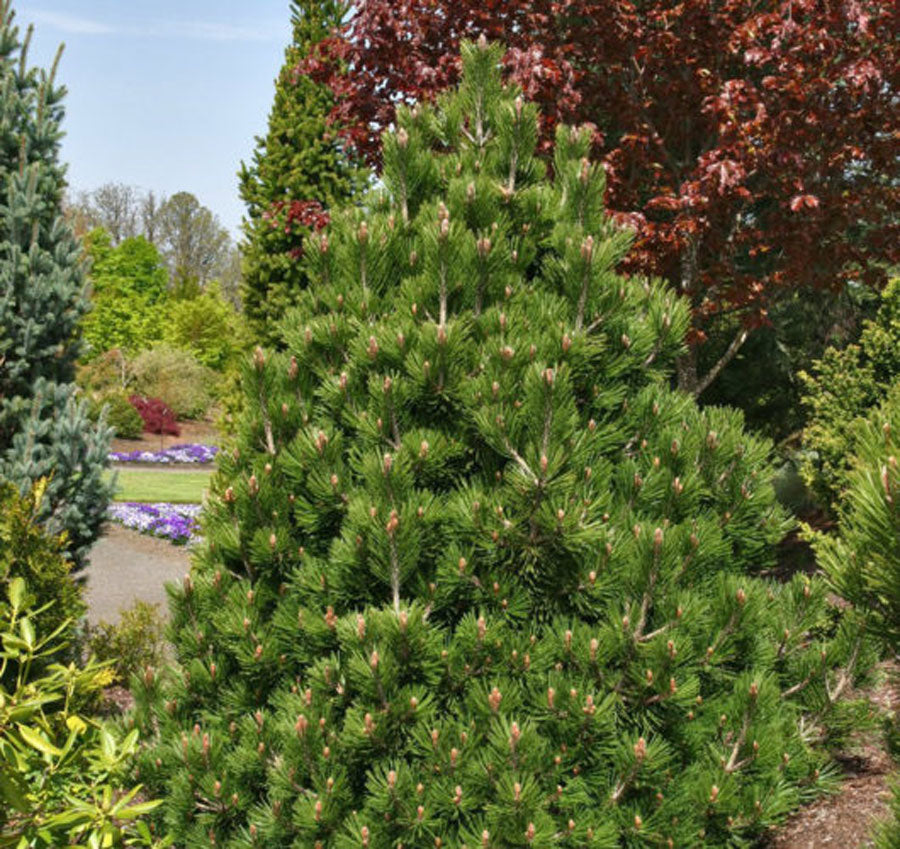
x=862, y=560
x=129, y=286
x=180, y=344
x=299, y=170
x=176, y=377
x=474, y=574
x=751, y=145
x=842, y=389
x=121, y=415
x=45, y=429
x=131, y=645
x=195, y=244
x=62, y=773
x=29, y=553
x=764, y=378
x=208, y=328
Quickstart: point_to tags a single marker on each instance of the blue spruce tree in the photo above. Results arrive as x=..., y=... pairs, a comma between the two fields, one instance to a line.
x=44, y=426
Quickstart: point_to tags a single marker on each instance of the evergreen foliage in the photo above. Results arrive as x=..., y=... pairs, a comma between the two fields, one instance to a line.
x=845, y=386
x=299, y=170
x=44, y=428
x=862, y=560
x=474, y=574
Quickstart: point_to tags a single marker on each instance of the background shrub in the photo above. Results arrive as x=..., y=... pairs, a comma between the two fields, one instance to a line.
x=105, y=373
x=121, y=415
x=841, y=390
x=156, y=415
x=174, y=376
x=208, y=327
x=132, y=644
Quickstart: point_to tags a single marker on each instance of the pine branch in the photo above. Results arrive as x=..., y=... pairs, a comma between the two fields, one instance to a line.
x=267, y=422
x=846, y=674
x=727, y=357
x=395, y=575
x=582, y=302
x=520, y=462
x=733, y=765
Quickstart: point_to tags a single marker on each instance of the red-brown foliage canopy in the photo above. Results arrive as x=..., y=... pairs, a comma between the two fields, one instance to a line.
x=754, y=145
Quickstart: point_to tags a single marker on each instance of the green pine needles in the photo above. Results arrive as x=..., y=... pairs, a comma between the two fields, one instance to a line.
x=474, y=574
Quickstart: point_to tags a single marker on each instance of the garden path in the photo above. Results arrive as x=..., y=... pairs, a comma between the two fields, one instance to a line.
x=126, y=567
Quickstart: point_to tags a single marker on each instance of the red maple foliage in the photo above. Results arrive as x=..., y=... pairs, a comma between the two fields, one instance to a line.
x=753, y=145
x=158, y=417
x=296, y=218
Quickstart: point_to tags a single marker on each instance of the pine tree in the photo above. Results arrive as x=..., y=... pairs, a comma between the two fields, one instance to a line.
x=44, y=427
x=474, y=574
x=862, y=559
x=299, y=170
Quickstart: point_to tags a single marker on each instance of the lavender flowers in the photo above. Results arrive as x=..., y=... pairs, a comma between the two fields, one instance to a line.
x=177, y=454
x=174, y=522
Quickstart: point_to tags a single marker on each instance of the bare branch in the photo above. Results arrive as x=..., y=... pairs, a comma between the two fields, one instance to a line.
x=727, y=357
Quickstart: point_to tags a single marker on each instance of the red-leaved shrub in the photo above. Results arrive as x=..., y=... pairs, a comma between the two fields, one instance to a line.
x=156, y=414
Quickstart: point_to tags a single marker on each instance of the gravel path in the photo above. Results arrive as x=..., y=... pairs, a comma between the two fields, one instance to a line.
x=127, y=567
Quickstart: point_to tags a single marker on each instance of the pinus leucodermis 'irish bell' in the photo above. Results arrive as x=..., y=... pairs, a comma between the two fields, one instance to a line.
x=474, y=574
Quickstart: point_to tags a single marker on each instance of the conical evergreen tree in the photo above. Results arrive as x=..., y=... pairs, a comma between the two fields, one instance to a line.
x=474, y=574
x=44, y=428
x=299, y=170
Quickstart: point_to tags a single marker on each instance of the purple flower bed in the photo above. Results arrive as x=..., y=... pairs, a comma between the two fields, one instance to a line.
x=174, y=522
x=187, y=453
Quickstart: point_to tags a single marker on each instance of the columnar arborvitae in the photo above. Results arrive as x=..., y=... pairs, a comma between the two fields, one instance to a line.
x=44, y=428
x=474, y=574
x=299, y=169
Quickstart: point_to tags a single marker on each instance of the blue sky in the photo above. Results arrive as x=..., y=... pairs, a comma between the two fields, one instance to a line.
x=163, y=95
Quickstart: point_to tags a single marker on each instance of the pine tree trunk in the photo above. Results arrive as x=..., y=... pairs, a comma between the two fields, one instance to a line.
x=686, y=370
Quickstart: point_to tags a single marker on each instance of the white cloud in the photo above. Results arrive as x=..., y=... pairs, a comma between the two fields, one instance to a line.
x=73, y=24
x=194, y=30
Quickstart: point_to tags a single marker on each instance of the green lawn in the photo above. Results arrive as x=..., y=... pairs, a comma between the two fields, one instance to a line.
x=175, y=487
